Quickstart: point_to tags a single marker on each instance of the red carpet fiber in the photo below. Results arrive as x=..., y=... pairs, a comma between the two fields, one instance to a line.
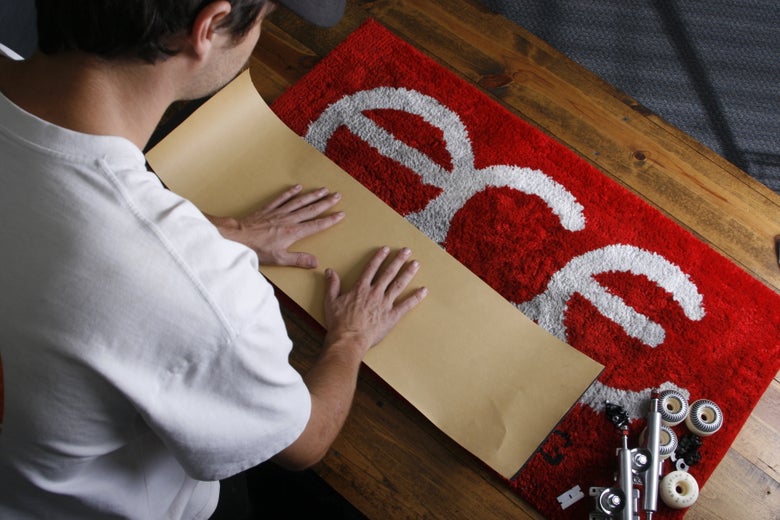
x=582, y=256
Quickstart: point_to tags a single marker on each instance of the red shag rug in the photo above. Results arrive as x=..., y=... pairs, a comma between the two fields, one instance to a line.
x=582, y=256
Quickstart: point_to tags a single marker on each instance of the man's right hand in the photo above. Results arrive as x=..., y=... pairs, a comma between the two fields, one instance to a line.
x=356, y=320
x=371, y=308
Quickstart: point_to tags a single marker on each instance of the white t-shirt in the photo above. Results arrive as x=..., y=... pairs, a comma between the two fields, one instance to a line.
x=144, y=357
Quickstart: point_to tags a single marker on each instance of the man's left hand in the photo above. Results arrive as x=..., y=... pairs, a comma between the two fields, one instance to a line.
x=271, y=230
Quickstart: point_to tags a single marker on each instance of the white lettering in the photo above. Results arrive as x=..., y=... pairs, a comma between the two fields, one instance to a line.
x=548, y=309
x=459, y=185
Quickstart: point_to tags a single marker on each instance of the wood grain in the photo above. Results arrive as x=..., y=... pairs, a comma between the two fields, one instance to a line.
x=391, y=462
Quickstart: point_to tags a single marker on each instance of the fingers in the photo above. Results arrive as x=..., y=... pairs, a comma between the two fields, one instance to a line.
x=312, y=227
x=293, y=205
x=393, y=279
x=399, y=284
x=304, y=206
x=284, y=197
x=373, y=265
x=332, y=284
x=314, y=202
x=410, y=302
x=388, y=277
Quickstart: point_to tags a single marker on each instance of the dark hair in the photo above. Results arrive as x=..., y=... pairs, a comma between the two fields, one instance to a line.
x=130, y=28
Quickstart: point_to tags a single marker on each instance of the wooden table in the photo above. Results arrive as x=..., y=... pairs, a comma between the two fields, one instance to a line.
x=389, y=461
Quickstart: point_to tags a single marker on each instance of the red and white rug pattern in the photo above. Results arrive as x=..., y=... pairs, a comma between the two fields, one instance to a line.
x=573, y=250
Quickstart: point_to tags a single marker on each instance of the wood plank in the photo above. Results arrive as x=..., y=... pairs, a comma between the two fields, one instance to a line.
x=759, y=439
x=747, y=481
x=737, y=489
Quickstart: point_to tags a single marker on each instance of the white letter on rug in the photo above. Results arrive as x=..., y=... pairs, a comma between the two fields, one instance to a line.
x=459, y=185
x=549, y=307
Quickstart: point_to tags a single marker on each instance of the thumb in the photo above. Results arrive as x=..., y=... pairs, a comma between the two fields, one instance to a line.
x=332, y=284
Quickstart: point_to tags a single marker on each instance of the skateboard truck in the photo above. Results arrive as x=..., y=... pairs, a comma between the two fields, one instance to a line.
x=637, y=465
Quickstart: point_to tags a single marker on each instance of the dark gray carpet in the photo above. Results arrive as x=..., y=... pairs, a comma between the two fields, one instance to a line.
x=711, y=68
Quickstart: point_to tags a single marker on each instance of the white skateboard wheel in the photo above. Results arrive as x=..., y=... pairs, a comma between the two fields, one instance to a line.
x=704, y=418
x=678, y=490
x=667, y=441
x=673, y=407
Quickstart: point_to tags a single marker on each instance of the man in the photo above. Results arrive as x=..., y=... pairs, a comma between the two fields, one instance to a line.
x=143, y=356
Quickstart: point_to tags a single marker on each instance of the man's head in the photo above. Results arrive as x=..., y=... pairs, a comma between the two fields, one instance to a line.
x=144, y=29
x=173, y=49
x=151, y=30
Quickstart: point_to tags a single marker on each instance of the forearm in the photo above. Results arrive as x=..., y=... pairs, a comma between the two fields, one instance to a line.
x=331, y=382
x=356, y=321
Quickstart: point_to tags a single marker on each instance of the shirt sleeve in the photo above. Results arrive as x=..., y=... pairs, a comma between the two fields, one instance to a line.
x=237, y=408
x=209, y=370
